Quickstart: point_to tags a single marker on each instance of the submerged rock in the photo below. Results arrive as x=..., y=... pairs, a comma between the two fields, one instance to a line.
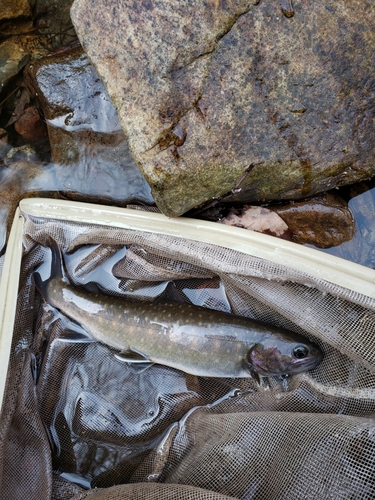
x=87, y=143
x=19, y=155
x=323, y=221
x=278, y=103
x=30, y=125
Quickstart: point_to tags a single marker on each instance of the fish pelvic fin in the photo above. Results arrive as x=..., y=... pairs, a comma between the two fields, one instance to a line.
x=138, y=361
x=131, y=355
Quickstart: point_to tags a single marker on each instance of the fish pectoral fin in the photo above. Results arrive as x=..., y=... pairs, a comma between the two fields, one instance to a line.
x=248, y=367
x=133, y=356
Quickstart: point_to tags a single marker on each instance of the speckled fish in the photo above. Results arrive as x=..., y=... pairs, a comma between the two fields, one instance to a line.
x=190, y=338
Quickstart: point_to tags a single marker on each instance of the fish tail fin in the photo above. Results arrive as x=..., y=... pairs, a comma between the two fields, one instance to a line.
x=57, y=270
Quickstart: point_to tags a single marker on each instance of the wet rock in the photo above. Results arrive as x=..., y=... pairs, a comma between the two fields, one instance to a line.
x=12, y=9
x=323, y=221
x=206, y=89
x=16, y=52
x=30, y=125
x=87, y=142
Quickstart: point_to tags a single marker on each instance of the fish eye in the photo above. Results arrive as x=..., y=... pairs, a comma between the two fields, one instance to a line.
x=300, y=352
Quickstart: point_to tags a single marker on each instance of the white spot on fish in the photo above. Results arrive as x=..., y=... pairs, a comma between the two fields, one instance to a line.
x=164, y=327
x=86, y=305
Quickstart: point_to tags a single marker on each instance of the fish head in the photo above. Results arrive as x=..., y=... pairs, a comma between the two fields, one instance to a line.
x=282, y=356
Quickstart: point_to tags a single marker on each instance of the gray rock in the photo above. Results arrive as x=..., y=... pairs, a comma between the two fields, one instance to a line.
x=278, y=103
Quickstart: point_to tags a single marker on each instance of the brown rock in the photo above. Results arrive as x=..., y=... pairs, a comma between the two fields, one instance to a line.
x=11, y=9
x=323, y=221
x=30, y=125
x=206, y=89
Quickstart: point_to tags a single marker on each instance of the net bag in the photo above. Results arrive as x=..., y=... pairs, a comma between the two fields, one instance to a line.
x=77, y=421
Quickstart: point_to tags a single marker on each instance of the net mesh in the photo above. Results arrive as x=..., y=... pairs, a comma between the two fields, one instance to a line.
x=77, y=421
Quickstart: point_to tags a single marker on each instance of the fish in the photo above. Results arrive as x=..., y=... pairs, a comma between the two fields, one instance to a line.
x=194, y=339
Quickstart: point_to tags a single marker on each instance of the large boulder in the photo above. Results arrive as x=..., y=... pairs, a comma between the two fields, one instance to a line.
x=277, y=103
